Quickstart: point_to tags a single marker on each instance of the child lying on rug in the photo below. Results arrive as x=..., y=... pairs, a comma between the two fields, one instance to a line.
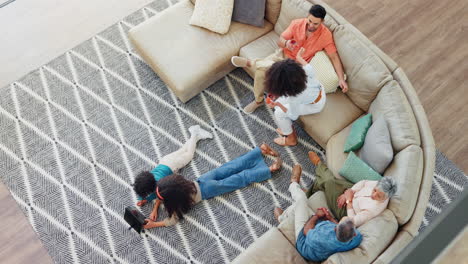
x=178, y=194
x=146, y=181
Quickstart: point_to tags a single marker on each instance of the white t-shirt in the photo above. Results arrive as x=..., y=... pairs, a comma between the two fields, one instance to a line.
x=301, y=104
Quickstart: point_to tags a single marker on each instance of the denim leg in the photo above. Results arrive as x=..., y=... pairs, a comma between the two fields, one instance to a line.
x=246, y=161
x=211, y=188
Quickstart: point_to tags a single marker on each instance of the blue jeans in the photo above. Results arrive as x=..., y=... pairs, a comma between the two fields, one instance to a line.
x=234, y=175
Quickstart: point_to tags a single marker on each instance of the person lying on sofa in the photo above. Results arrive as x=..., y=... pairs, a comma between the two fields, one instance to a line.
x=317, y=236
x=309, y=33
x=178, y=194
x=146, y=181
x=293, y=90
x=361, y=201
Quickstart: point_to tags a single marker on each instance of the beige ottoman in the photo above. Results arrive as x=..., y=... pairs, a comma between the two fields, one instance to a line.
x=189, y=58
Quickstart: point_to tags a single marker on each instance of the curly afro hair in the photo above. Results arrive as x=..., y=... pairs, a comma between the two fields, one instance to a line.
x=177, y=193
x=285, y=78
x=144, y=184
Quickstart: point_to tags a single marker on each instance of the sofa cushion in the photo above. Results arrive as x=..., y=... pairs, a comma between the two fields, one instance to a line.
x=187, y=72
x=335, y=155
x=294, y=9
x=272, y=10
x=377, y=234
x=391, y=103
x=366, y=73
x=406, y=169
x=358, y=132
x=355, y=170
x=377, y=150
x=325, y=72
x=214, y=15
x=271, y=247
x=339, y=112
x=249, y=12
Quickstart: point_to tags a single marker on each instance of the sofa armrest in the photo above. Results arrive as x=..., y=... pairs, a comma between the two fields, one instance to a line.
x=272, y=247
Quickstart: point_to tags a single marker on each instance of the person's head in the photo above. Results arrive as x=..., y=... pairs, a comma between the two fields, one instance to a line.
x=385, y=189
x=176, y=193
x=285, y=78
x=145, y=184
x=315, y=18
x=345, y=229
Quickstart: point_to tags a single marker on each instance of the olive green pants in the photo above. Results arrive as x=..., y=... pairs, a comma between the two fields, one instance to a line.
x=332, y=187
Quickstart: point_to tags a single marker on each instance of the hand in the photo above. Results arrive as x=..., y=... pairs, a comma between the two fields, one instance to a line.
x=300, y=53
x=320, y=213
x=154, y=215
x=327, y=213
x=148, y=224
x=141, y=203
x=290, y=44
x=349, y=194
x=341, y=201
x=344, y=86
x=270, y=103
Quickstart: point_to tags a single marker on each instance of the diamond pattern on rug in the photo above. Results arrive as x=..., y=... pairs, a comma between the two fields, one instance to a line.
x=75, y=132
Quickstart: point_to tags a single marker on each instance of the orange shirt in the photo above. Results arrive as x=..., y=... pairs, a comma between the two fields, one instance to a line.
x=321, y=39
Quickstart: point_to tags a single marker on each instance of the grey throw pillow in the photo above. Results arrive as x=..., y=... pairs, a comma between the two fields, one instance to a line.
x=249, y=12
x=377, y=150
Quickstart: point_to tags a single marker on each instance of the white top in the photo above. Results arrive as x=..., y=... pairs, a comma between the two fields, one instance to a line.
x=364, y=207
x=299, y=105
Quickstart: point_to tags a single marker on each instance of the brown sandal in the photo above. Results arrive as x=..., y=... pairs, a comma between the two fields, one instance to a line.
x=267, y=150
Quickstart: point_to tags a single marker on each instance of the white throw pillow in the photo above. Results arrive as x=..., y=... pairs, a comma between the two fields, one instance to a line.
x=214, y=15
x=325, y=72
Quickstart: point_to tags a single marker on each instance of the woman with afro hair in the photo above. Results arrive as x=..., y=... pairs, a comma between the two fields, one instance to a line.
x=293, y=90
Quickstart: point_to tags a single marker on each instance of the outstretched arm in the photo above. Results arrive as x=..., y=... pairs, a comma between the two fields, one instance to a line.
x=152, y=224
x=336, y=61
x=154, y=213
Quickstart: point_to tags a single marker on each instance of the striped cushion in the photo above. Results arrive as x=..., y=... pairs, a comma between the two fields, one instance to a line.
x=325, y=72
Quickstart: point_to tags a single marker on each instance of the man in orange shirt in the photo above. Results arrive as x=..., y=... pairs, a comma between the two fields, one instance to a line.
x=308, y=33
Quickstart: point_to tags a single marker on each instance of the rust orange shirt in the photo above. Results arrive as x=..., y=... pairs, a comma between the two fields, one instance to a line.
x=321, y=39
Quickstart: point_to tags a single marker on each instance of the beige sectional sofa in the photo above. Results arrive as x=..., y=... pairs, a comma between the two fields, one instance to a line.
x=377, y=85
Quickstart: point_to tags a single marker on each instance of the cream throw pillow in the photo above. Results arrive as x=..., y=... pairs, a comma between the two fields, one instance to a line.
x=214, y=15
x=325, y=72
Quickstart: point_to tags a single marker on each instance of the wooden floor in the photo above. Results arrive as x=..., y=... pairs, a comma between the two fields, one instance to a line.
x=427, y=38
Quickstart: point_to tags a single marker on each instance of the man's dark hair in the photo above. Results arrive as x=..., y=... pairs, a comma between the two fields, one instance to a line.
x=318, y=11
x=177, y=194
x=145, y=184
x=285, y=78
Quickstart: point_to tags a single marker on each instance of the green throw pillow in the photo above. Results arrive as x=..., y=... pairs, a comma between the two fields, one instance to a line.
x=358, y=133
x=354, y=170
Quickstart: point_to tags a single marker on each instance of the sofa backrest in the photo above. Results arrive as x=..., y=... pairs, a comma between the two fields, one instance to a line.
x=272, y=10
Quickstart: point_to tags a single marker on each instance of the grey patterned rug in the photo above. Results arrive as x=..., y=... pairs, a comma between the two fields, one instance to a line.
x=75, y=132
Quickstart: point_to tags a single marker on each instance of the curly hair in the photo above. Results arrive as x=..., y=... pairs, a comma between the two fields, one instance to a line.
x=177, y=193
x=285, y=78
x=144, y=184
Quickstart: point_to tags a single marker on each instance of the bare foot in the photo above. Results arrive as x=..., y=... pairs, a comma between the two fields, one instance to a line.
x=296, y=173
x=290, y=140
x=314, y=158
x=276, y=165
x=267, y=150
x=277, y=212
